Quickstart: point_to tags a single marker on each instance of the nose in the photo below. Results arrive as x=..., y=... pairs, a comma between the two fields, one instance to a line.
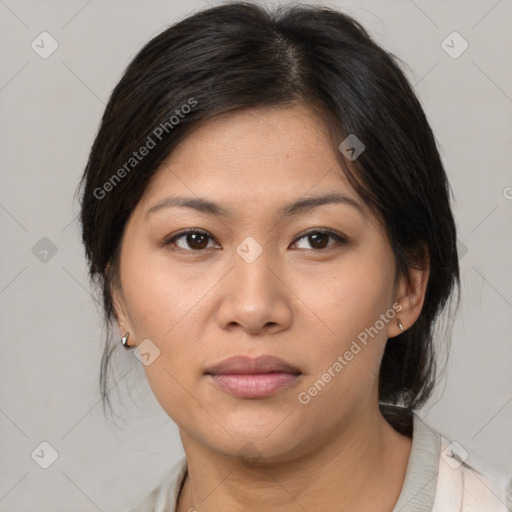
x=255, y=297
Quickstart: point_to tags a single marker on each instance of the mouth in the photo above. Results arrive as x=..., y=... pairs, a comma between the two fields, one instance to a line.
x=253, y=377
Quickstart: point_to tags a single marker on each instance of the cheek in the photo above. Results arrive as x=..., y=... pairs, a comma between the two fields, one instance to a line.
x=163, y=304
x=158, y=296
x=351, y=297
x=346, y=355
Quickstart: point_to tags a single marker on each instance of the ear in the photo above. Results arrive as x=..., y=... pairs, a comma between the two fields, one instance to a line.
x=120, y=311
x=119, y=304
x=410, y=295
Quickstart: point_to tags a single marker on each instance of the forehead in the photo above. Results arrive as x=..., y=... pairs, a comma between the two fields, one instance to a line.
x=259, y=135
x=266, y=154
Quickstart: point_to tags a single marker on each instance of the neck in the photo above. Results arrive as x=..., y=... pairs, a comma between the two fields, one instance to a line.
x=366, y=458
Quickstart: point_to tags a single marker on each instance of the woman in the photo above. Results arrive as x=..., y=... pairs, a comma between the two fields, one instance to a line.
x=268, y=217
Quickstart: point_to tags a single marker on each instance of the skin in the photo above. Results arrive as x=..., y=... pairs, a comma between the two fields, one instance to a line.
x=295, y=301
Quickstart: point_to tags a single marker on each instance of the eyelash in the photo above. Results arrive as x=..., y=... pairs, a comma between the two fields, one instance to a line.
x=340, y=239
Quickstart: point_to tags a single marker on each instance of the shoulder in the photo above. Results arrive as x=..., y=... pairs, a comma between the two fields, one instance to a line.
x=465, y=484
x=164, y=496
x=444, y=477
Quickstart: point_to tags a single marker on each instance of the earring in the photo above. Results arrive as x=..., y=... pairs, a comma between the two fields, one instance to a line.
x=124, y=341
x=400, y=324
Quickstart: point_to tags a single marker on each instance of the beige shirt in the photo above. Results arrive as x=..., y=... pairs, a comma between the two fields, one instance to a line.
x=440, y=477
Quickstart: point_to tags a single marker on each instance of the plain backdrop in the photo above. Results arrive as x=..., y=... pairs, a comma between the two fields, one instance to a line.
x=51, y=335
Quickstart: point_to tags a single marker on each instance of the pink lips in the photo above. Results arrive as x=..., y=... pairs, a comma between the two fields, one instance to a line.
x=253, y=378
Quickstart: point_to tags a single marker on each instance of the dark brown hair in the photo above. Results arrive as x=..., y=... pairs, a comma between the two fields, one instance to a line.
x=239, y=56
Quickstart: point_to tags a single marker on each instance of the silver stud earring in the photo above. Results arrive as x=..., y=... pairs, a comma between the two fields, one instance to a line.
x=124, y=341
x=400, y=324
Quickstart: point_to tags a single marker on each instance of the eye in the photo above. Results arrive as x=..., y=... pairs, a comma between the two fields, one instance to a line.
x=197, y=240
x=194, y=238
x=318, y=239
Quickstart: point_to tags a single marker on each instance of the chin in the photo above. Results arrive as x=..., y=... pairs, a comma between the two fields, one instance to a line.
x=255, y=440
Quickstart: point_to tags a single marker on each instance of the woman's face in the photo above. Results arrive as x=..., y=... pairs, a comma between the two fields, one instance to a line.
x=253, y=283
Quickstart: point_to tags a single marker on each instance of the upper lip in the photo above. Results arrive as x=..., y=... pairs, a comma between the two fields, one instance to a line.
x=247, y=365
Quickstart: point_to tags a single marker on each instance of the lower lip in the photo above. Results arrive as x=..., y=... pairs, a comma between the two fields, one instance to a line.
x=254, y=385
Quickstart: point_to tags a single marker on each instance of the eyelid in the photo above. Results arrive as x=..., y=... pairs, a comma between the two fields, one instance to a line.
x=325, y=231
x=168, y=240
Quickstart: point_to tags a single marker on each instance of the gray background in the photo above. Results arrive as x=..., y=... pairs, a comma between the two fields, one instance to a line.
x=51, y=330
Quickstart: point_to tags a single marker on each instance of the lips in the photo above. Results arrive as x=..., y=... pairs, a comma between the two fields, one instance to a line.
x=246, y=365
x=253, y=377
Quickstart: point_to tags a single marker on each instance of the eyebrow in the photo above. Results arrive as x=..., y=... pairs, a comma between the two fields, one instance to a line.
x=208, y=207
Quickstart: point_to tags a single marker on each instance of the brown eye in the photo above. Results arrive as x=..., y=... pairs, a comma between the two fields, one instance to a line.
x=191, y=240
x=319, y=239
